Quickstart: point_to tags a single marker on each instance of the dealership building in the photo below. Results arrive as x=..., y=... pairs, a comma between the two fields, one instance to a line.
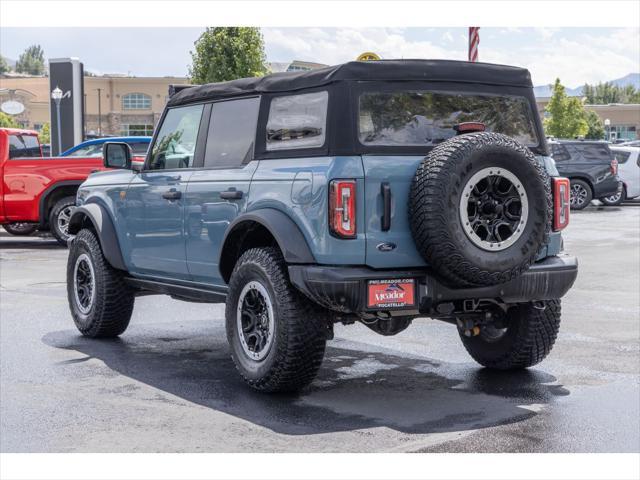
x=124, y=105
x=114, y=104
x=623, y=118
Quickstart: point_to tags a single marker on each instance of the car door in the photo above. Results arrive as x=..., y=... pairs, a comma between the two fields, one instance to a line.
x=154, y=206
x=218, y=193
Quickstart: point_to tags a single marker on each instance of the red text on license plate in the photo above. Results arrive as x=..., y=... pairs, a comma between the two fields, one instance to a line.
x=391, y=293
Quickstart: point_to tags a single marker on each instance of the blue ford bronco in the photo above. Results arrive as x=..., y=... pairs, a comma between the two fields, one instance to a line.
x=375, y=192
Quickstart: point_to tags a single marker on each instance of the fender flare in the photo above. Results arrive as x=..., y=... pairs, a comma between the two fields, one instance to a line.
x=42, y=214
x=104, y=228
x=287, y=234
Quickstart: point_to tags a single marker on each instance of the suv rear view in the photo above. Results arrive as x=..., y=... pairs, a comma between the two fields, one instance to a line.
x=373, y=192
x=590, y=166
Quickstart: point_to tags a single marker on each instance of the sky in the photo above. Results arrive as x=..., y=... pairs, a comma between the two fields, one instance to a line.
x=575, y=55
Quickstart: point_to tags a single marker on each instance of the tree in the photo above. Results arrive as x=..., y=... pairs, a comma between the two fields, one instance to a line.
x=605, y=93
x=31, y=61
x=7, y=121
x=596, y=126
x=4, y=66
x=567, y=117
x=227, y=53
x=45, y=133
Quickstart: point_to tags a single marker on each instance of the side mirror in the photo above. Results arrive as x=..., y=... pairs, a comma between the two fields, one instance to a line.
x=116, y=155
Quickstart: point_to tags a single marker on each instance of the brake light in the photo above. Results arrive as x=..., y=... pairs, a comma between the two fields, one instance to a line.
x=342, y=208
x=614, y=166
x=561, y=203
x=469, y=127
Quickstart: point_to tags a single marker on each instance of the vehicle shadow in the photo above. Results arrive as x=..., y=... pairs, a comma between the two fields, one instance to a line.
x=354, y=389
x=34, y=243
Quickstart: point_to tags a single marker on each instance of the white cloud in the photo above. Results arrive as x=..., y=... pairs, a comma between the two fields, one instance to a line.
x=574, y=56
x=579, y=60
x=344, y=44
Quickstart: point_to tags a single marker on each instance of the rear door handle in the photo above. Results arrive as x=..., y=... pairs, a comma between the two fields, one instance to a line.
x=172, y=194
x=385, y=221
x=231, y=194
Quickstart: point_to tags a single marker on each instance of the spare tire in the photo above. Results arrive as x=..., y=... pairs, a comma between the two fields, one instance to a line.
x=480, y=209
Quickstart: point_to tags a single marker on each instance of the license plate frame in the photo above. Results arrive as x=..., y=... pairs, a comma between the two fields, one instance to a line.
x=391, y=294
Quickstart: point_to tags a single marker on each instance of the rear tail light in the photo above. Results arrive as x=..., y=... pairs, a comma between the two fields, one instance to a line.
x=342, y=208
x=614, y=166
x=561, y=203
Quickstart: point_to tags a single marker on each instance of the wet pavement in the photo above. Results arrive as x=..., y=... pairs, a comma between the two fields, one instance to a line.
x=168, y=384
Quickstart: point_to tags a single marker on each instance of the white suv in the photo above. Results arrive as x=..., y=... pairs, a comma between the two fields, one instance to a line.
x=628, y=171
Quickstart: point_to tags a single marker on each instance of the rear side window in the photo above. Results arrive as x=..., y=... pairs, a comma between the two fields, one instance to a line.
x=559, y=153
x=622, y=156
x=23, y=146
x=593, y=152
x=297, y=121
x=425, y=118
x=175, y=143
x=232, y=132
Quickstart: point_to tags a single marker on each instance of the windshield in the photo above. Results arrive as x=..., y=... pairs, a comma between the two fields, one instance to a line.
x=424, y=118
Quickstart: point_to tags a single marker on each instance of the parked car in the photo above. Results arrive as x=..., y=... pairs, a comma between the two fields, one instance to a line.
x=632, y=143
x=590, y=166
x=629, y=173
x=38, y=192
x=374, y=192
x=93, y=148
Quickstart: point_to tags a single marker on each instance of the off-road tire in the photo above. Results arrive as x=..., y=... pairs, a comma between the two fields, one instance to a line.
x=530, y=335
x=609, y=203
x=20, y=229
x=59, y=207
x=588, y=192
x=112, y=307
x=300, y=326
x=434, y=209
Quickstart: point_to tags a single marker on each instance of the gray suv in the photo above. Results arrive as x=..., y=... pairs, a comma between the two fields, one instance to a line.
x=374, y=192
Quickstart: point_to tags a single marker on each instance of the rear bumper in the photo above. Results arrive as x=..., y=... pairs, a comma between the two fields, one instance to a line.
x=344, y=289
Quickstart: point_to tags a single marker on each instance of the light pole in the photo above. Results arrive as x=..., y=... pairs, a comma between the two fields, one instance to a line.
x=99, y=112
x=56, y=95
x=607, y=126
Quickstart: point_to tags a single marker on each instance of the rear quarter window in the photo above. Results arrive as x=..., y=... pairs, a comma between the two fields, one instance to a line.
x=297, y=121
x=621, y=156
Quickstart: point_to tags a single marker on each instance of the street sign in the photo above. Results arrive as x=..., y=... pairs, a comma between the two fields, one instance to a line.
x=66, y=81
x=12, y=107
x=367, y=56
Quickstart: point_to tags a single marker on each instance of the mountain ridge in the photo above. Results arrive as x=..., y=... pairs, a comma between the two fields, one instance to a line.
x=629, y=79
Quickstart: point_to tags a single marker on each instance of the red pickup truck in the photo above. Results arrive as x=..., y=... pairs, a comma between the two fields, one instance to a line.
x=36, y=192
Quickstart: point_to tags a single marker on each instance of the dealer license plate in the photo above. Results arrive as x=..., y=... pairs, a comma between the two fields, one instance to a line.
x=392, y=293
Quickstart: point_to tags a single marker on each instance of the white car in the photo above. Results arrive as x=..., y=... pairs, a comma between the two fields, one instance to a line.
x=628, y=171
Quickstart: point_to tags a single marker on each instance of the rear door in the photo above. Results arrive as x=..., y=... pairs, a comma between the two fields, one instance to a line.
x=218, y=193
x=154, y=207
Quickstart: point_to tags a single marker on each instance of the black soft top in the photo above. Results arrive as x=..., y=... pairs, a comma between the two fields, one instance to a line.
x=380, y=70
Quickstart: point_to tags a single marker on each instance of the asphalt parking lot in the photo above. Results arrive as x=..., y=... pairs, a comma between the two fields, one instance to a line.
x=168, y=384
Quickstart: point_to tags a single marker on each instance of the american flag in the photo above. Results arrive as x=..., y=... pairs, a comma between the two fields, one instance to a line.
x=474, y=40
